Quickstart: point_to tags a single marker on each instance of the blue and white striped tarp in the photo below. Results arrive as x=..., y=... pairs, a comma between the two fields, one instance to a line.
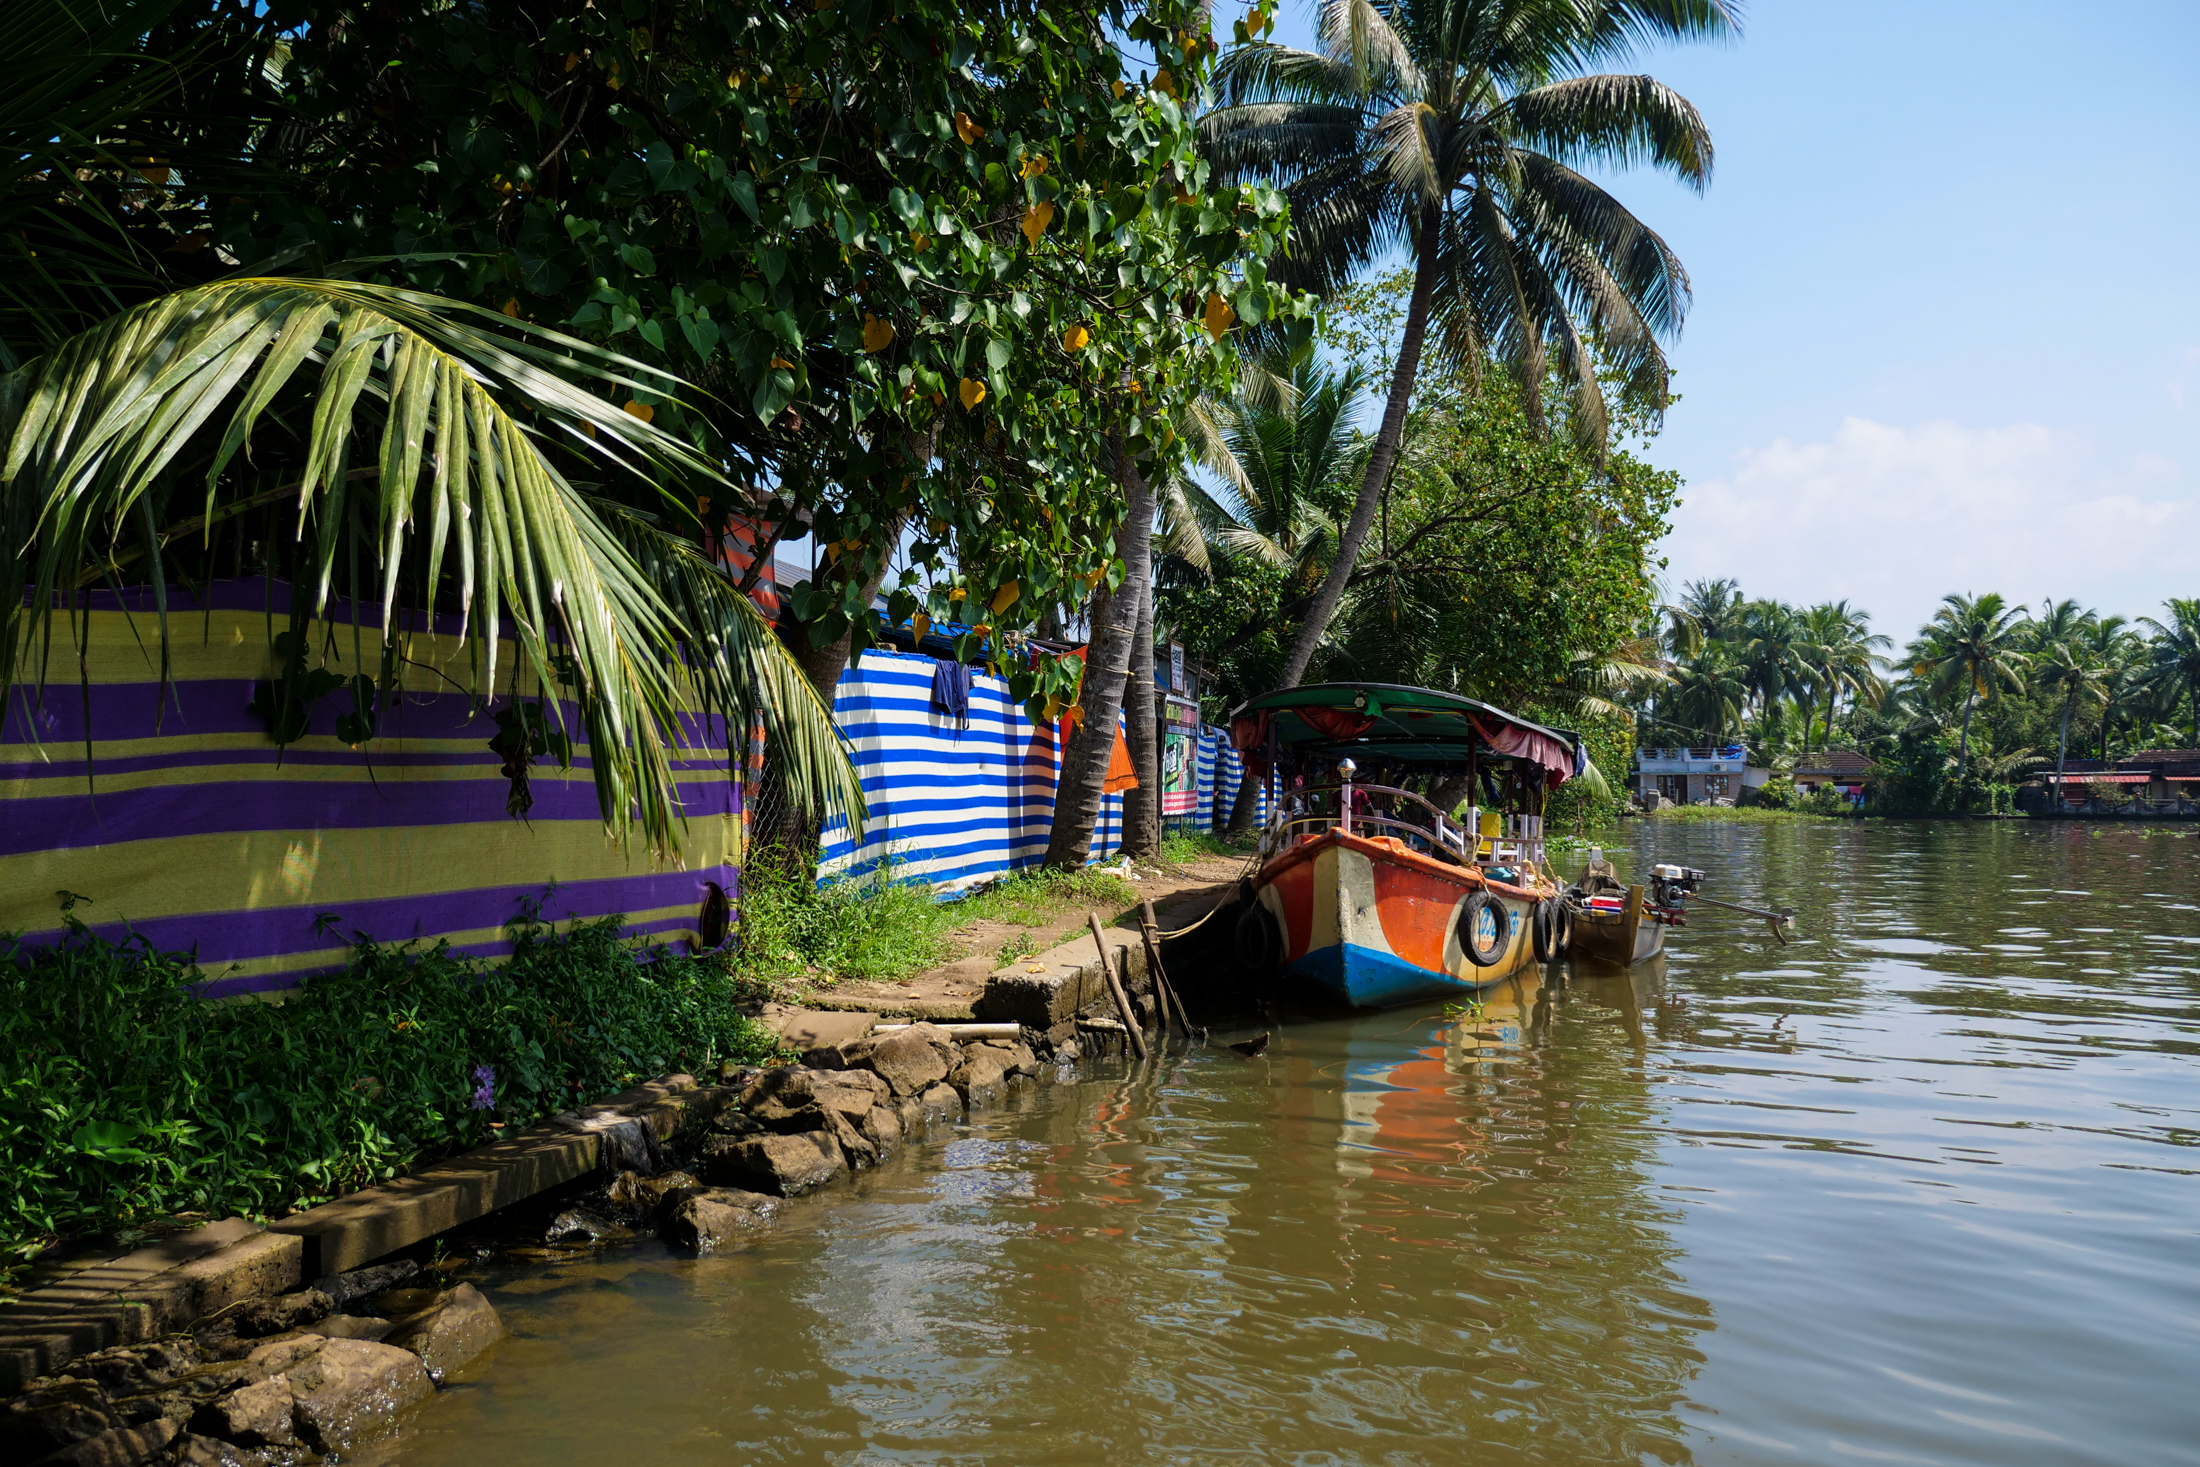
x=949, y=807
x=1229, y=774
x=1211, y=740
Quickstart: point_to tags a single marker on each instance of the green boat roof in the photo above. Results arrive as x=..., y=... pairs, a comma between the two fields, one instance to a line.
x=1412, y=725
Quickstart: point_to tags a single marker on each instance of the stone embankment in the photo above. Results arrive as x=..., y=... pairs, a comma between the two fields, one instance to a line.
x=305, y=1375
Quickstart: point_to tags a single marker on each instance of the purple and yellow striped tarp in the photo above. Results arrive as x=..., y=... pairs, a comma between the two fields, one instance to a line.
x=199, y=832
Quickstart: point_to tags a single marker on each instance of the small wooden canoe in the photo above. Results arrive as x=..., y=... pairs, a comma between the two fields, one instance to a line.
x=1626, y=935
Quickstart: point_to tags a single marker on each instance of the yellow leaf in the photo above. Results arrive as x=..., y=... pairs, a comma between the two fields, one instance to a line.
x=511, y=308
x=1165, y=84
x=956, y=594
x=1218, y=317
x=973, y=392
x=1119, y=87
x=1036, y=220
x=783, y=364
x=939, y=528
x=921, y=626
x=1006, y=597
x=639, y=38
x=1035, y=165
x=611, y=74
x=919, y=241
x=1077, y=338
x=967, y=130
x=877, y=335
x=643, y=411
x=572, y=59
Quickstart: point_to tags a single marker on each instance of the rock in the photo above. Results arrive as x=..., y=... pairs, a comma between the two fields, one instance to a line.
x=738, y=1076
x=1021, y=1060
x=128, y=1370
x=349, y=1389
x=702, y=1221
x=981, y=1072
x=733, y=1123
x=777, y=1096
x=881, y=1126
x=55, y=1412
x=911, y=1060
x=855, y=1147
x=645, y=1196
x=121, y=1446
x=1068, y=1053
x=353, y=1327
x=940, y=1102
x=452, y=1331
x=182, y=1397
x=277, y=1356
x=910, y=1112
x=579, y=1224
x=824, y=1057
x=851, y=1102
x=343, y=1288
x=256, y=1416
x=261, y=1319
x=206, y=1451
x=785, y=1166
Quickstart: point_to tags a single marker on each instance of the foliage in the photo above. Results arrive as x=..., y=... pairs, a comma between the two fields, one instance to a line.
x=1448, y=130
x=926, y=258
x=210, y=418
x=871, y=927
x=126, y=1099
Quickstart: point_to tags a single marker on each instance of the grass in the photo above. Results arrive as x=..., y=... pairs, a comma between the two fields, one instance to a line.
x=127, y=1102
x=1747, y=814
x=1182, y=847
x=870, y=928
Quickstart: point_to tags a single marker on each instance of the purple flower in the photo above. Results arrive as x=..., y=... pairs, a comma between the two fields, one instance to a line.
x=485, y=1087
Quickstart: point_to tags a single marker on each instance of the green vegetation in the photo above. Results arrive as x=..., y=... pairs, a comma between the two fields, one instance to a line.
x=873, y=928
x=1985, y=696
x=125, y=1100
x=1180, y=847
x=1746, y=814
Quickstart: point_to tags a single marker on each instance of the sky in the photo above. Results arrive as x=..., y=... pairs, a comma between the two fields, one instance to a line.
x=1946, y=328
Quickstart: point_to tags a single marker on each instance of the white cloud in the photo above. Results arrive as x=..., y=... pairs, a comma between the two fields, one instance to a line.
x=1895, y=518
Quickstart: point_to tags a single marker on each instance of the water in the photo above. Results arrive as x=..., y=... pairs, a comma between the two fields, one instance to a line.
x=1919, y=1188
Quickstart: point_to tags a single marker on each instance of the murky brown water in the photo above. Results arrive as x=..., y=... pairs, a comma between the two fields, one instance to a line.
x=1922, y=1187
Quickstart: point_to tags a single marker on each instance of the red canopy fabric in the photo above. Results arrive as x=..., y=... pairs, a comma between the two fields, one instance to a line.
x=1516, y=742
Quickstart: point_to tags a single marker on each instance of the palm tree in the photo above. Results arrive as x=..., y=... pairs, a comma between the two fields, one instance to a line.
x=2111, y=641
x=1842, y=652
x=1284, y=458
x=1972, y=643
x=1448, y=128
x=2069, y=667
x=1771, y=645
x=1709, y=693
x=427, y=453
x=2175, y=655
x=1709, y=611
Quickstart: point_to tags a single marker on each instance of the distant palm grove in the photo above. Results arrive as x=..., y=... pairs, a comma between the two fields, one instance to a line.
x=1987, y=694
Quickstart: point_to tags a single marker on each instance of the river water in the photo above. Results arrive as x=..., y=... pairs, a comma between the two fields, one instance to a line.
x=1921, y=1187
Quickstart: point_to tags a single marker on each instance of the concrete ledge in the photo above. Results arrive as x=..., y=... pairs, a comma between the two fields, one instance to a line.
x=358, y=1229
x=142, y=1295
x=1069, y=979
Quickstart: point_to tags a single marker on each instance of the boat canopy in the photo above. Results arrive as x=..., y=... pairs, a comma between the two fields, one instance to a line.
x=1410, y=725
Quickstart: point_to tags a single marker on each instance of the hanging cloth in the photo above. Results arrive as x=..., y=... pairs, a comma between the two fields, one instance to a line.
x=1122, y=774
x=951, y=692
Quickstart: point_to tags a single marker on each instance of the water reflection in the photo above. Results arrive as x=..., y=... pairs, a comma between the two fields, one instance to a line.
x=1917, y=1187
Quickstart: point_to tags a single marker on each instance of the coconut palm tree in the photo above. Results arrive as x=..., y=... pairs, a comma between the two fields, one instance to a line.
x=2174, y=658
x=1842, y=652
x=1972, y=643
x=2111, y=641
x=1771, y=644
x=2071, y=669
x=389, y=446
x=1709, y=693
x=1450, y=129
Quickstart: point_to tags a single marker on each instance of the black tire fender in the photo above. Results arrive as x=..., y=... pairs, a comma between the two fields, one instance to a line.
x=1496, y=941
x=1257, y=941
x=1565, y=922
x=1543, y=927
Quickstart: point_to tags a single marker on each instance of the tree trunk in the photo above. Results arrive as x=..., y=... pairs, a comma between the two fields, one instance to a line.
x=1379, y=461
x=1245, y=805
x=1963, y=752
x=1833, y=691
x=1142, y=806
x=2062, y=747
x=1107, y=673
x=824, y=665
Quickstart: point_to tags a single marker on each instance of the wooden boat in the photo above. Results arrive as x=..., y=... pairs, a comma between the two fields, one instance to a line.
x=1625, y=924
x=1371, y=892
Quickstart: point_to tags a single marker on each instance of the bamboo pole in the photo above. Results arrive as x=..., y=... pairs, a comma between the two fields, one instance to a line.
x=1150, y=929
x=1123, y=1007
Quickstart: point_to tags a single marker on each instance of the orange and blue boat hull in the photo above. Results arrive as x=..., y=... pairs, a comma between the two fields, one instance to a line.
x=1374, y=923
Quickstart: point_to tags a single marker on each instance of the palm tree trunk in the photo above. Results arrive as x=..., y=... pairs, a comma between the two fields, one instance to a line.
x=1963, y=752
x=1246, y=804
x=1107, y=674
x=1142, y=806
x=1379, y=461
x=2062, y=748
x=1833, y=691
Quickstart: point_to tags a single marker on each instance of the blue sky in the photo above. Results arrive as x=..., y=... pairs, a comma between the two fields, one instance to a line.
x=1946, y=333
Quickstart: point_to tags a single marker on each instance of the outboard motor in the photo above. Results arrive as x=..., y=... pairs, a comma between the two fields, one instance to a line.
x=1670, y=885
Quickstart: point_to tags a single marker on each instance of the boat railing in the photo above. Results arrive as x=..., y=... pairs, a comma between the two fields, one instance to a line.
x=1518, y=840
